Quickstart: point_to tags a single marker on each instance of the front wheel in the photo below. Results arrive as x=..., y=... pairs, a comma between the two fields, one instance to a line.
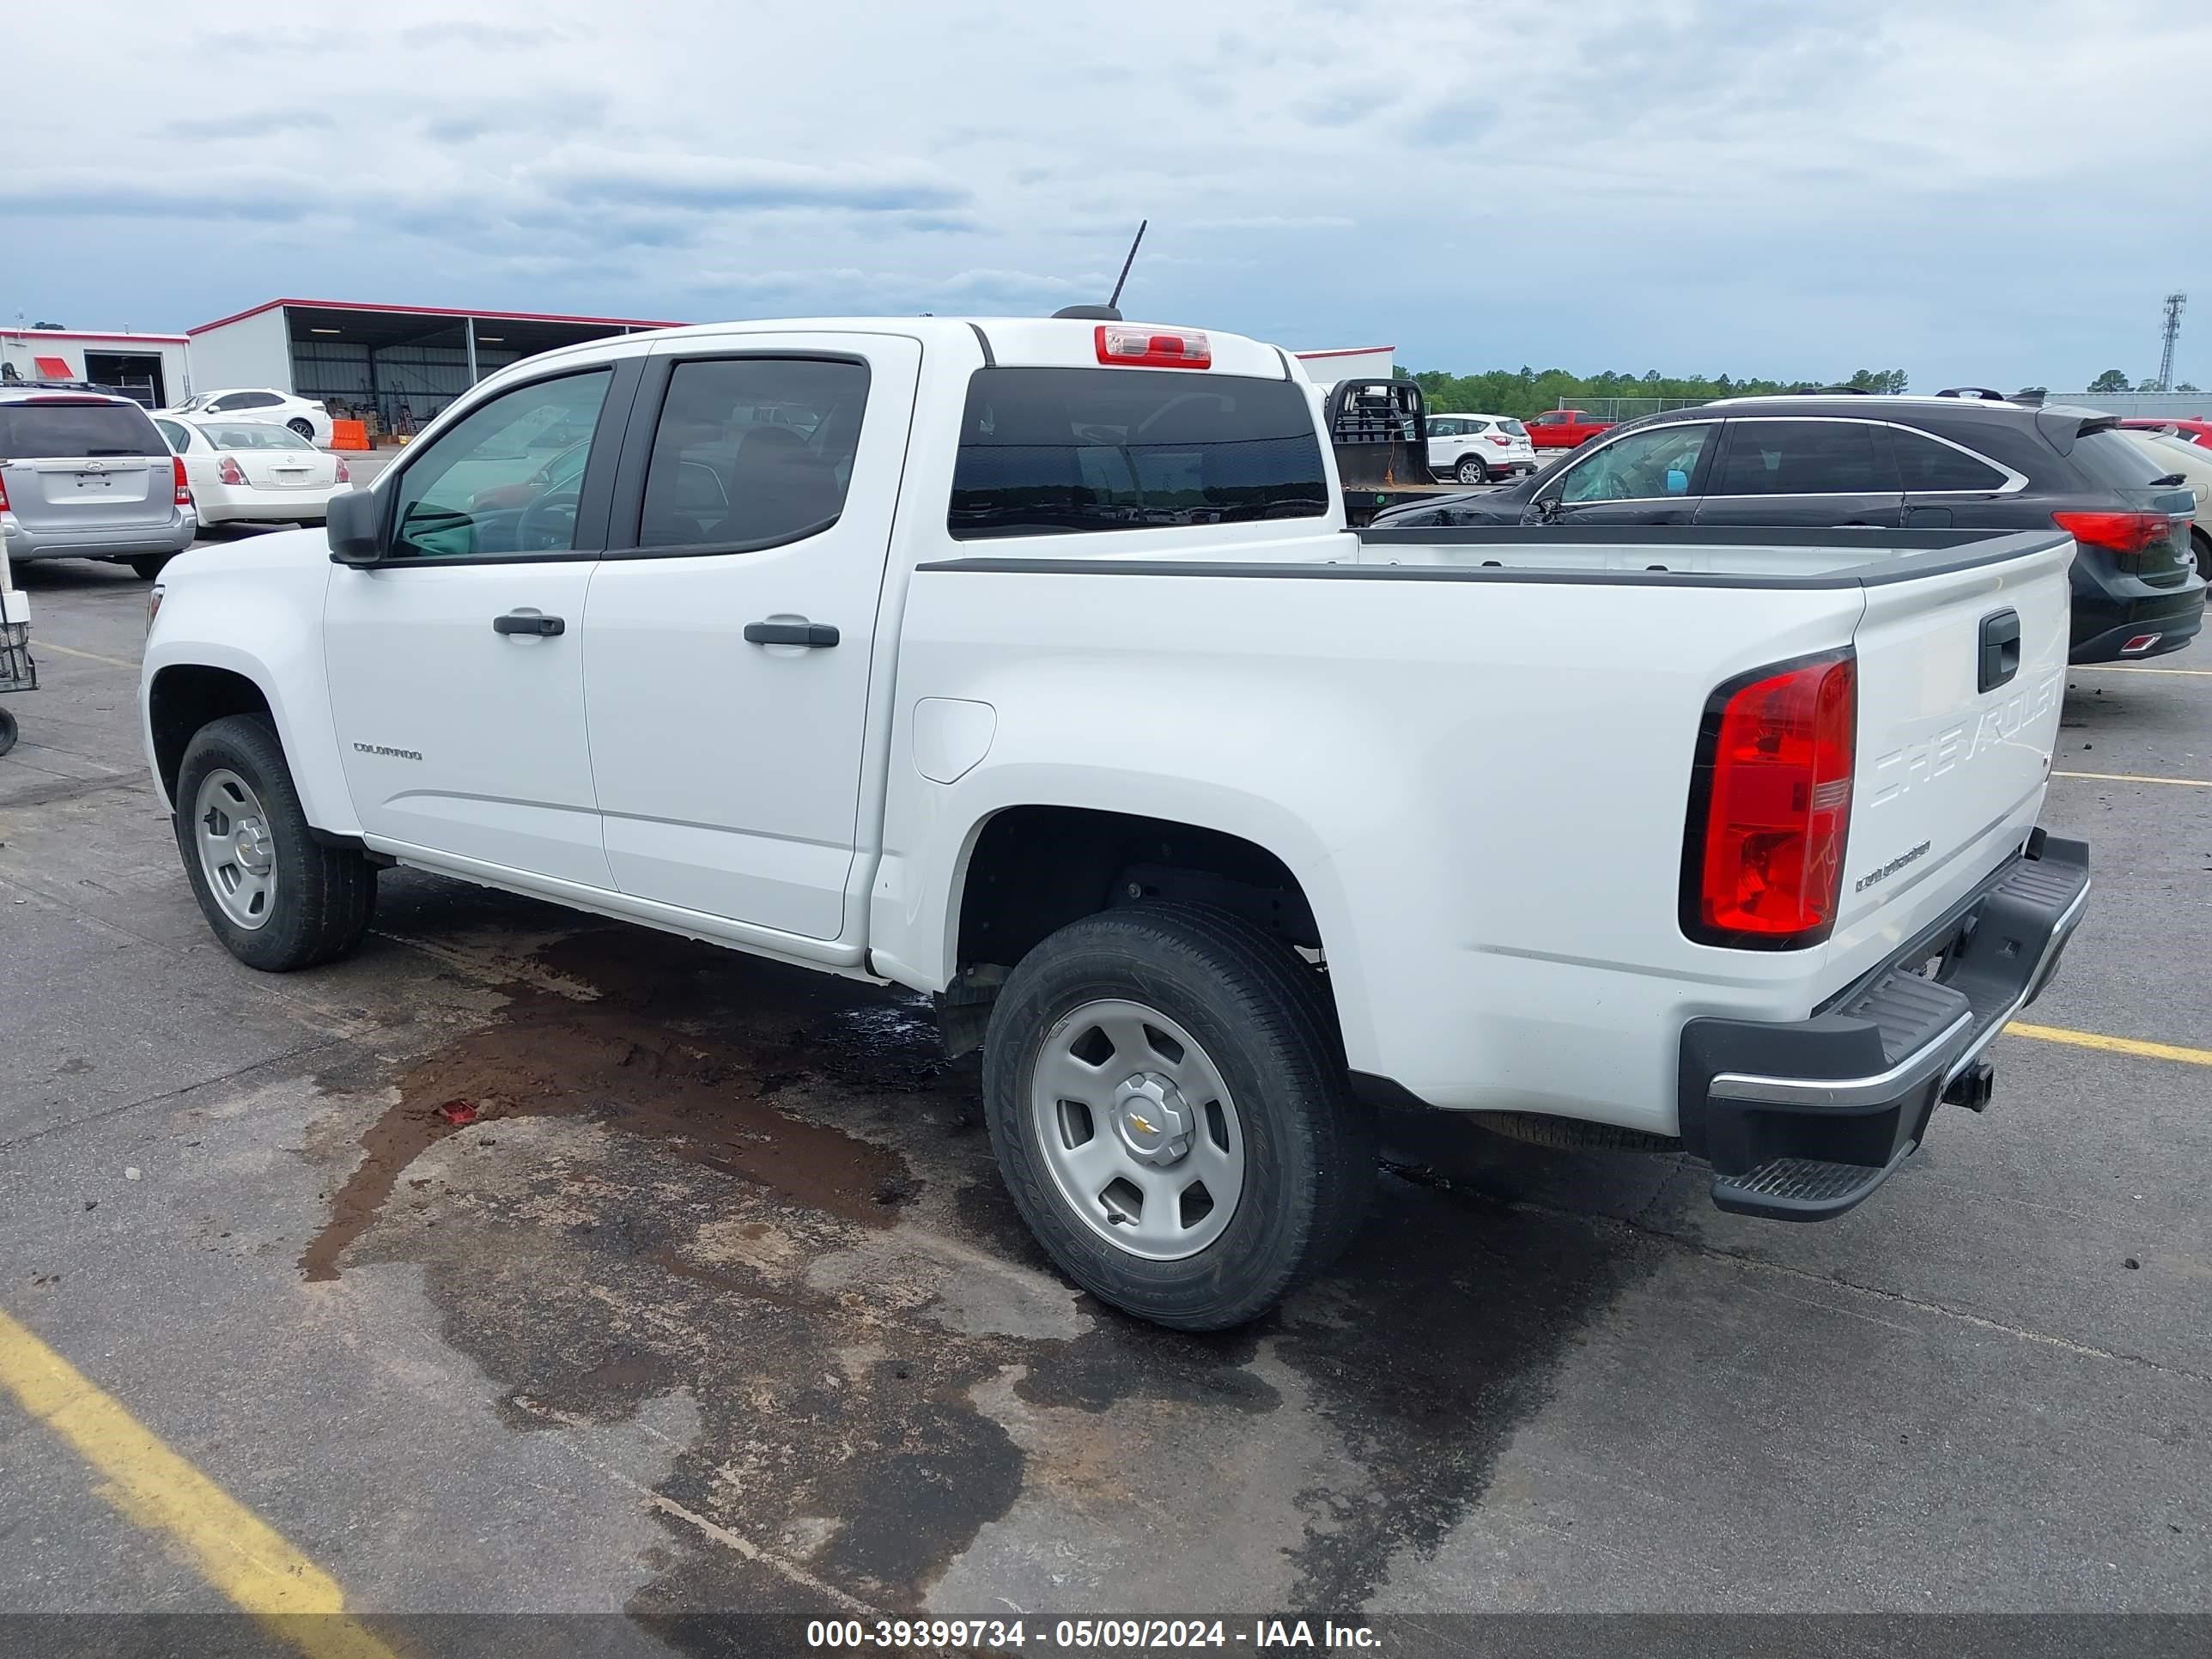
x=276, y=897
x=1167, y=1098
x=1471, y=470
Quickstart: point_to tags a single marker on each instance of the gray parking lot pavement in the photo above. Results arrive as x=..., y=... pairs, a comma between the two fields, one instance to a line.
x=527, y=1262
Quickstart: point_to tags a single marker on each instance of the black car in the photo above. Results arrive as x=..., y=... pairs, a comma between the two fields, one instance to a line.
x=1965, y=462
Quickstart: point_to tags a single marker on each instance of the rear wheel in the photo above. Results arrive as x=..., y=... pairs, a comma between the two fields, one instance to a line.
x=305, y=428
x=2202, y=541
x=147, y=566
x=276, y=897
x=1471, y=470
x=1167, y=1098
x=7, y=731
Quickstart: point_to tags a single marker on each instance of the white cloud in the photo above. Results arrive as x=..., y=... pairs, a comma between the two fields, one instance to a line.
x=1783, y=186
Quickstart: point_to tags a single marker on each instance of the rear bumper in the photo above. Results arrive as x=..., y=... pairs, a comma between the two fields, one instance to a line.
x=24, y=543
x=243, y=502
x=2110, y=612
x=1801, y=1120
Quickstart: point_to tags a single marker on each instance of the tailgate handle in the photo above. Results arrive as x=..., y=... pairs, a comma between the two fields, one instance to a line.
x=2000, y=649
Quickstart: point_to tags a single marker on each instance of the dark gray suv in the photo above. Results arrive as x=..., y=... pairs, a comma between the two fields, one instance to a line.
x=1953, y=461
x=85, y=476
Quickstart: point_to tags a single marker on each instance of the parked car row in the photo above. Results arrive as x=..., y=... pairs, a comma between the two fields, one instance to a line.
x=1871, y=464
x=90, y=475
x=302, y=415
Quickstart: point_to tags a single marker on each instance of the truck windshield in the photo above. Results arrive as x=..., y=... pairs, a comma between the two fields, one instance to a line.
x=1055, y=451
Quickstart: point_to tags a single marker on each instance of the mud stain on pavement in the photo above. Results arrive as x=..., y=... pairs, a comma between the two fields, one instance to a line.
x=627, y=1060
x=764, y=1190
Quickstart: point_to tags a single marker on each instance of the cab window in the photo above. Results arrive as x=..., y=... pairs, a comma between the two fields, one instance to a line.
x=475, y=488
x=751, y=453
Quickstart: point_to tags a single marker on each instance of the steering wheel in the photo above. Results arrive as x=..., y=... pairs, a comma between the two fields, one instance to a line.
x=547, y=522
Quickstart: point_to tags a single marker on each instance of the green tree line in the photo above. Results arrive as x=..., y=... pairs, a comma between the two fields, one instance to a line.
x=1529, y=391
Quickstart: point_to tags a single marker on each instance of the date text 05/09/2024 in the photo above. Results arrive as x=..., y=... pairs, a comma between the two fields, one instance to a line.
x=1108, y=1635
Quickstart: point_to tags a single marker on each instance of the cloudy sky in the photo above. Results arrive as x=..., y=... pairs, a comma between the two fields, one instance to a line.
x=1990, y=192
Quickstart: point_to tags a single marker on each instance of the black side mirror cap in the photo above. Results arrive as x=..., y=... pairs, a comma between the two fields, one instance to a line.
x=353, y=526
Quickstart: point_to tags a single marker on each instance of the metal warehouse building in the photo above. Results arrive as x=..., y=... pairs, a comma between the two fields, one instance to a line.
x=398, y=364
x=150, y=367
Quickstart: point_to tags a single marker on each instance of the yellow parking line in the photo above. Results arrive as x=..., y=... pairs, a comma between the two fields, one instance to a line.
x=39, y=647
x=235, y=1550
x=2135, y=777
x=2112, y=1044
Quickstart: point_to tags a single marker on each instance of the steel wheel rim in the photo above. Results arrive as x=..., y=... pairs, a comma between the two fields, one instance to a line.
x=1138, y=1129
x=237, y=850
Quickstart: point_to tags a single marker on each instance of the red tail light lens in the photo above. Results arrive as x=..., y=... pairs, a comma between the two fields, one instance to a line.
x=1769, y=806
x=229, y=471
x=4, y=495
x=184, y=484
x=1137, y=347
x=345, y=475
x=1502, y=443
x=2116, y=532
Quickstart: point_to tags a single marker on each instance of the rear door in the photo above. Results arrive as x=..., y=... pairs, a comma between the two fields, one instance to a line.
x=1817, y=473
x=85, y=463
x=731, y=628
x=1655, y=475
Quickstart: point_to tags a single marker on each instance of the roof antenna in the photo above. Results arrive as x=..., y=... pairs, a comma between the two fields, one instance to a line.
x=1110, y=311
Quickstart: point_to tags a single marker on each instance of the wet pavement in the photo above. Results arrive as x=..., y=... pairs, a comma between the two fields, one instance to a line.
x=530, y=1262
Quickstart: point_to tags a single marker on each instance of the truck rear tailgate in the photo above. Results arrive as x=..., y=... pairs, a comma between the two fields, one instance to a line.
x=1960, y=675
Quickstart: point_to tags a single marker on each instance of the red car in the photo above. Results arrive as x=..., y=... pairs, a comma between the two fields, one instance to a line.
x=1564, y=429
x=2197, y=432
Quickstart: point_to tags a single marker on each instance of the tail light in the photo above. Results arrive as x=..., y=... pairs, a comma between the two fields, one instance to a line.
x=345, y=475
x=184, y=484
x=4, y=495
x=229, y=471
x=2129, y=534
x=1137, y=346
x=1502, y=443
x=1769, y=806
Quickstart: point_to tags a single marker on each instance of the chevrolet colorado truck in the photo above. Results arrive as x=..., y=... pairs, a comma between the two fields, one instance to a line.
x=1028, y=663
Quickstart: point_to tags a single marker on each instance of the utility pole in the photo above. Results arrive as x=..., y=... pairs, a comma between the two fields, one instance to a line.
x=2169, y=334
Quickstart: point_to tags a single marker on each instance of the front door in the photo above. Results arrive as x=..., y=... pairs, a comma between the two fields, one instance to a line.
x=729, y=646
x=1822, y=474
x=1652, y=475
x=456, y=664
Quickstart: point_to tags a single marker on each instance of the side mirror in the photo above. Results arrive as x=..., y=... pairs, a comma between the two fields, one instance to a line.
x=352, y=526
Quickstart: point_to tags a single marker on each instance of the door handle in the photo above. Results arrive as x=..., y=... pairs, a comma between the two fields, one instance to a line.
x=2000, y=653
x=528, y=622
x=813, y=635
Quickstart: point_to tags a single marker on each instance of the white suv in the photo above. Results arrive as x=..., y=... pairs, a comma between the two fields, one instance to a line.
x=1475, y=449
x=303, y=414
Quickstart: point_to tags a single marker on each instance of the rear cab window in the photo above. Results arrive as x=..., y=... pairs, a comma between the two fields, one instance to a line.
x=1064, y=451
x=60, y=428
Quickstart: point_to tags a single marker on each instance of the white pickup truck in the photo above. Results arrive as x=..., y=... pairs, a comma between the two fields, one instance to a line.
x=1029, y=663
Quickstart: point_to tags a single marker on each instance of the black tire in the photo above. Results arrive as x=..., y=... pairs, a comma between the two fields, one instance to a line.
x=147, y=566
x=2202, y=541
x=7, y=731
x=304, y=427
x=324, y=895
x=1263, y=1016
x=1471, y=470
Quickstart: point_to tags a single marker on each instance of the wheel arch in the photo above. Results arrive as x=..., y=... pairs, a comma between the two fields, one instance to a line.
x=185, y=689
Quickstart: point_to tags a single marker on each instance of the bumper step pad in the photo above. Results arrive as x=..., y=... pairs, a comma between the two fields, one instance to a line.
x=1801, y=1189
